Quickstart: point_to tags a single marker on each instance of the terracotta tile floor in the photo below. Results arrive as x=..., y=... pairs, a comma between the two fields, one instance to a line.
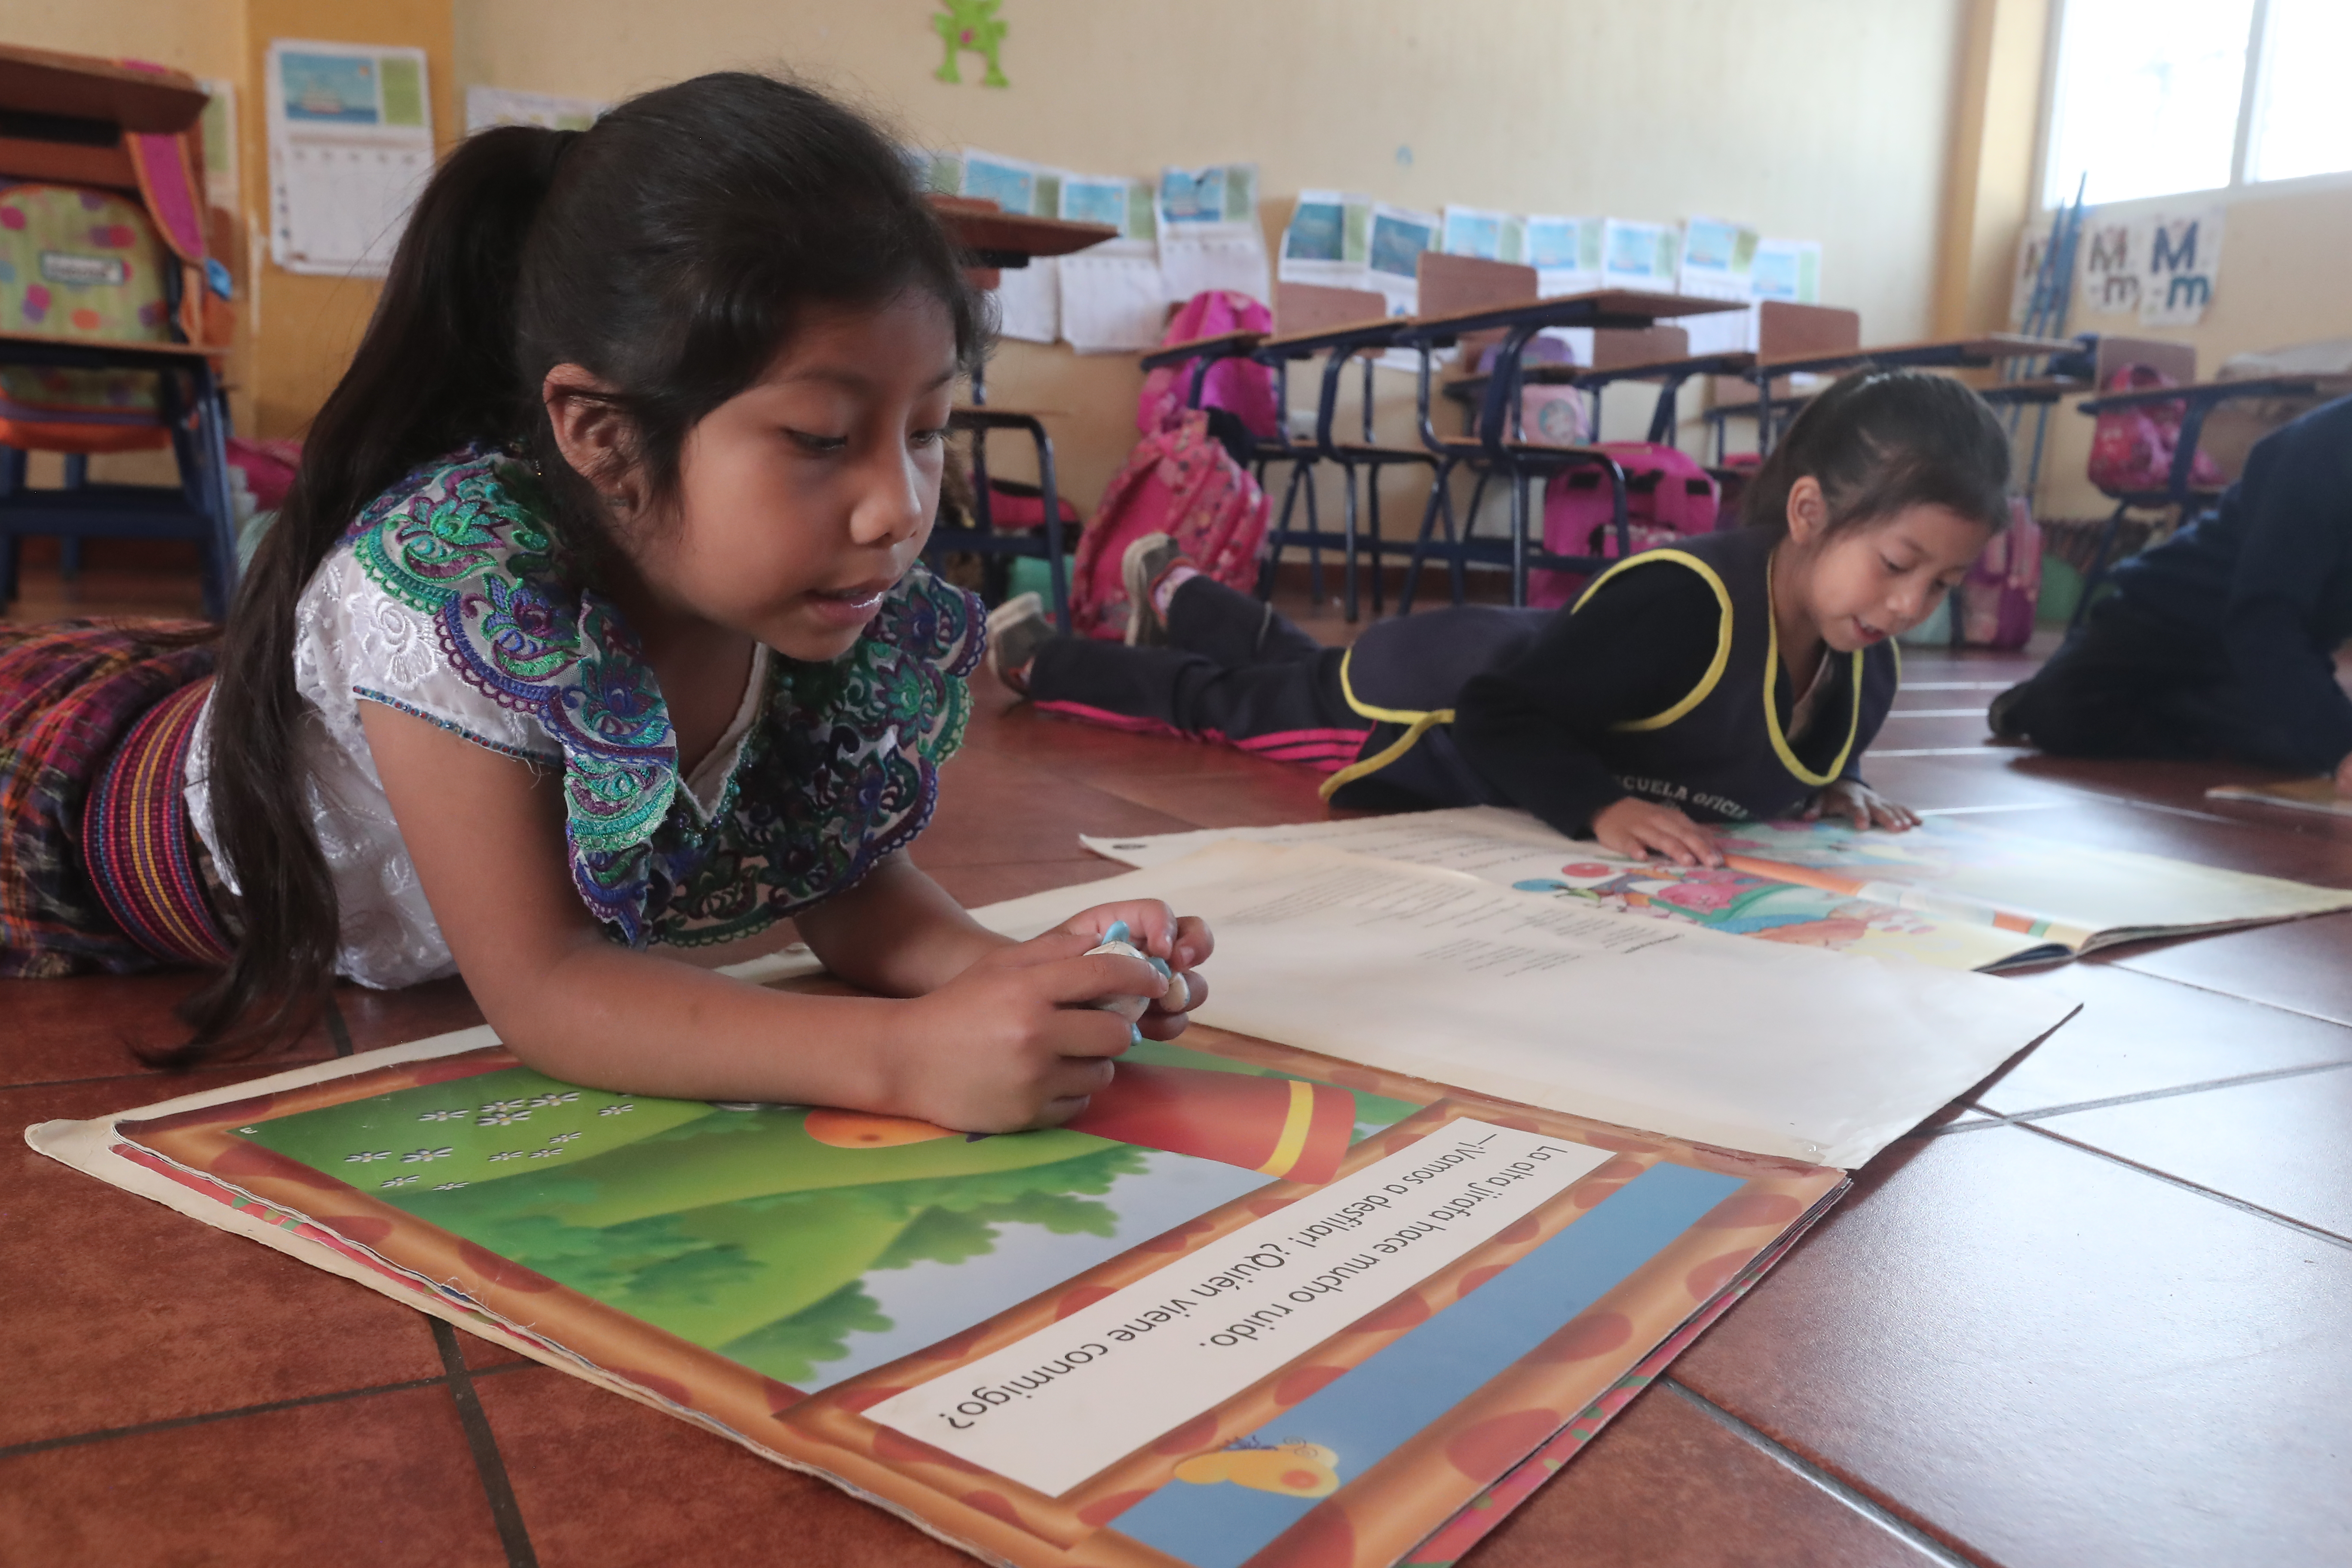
x=2091, y=1313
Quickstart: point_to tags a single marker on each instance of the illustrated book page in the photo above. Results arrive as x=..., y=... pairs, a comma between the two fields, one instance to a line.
x=1789, y=1052
x=1254, y=1306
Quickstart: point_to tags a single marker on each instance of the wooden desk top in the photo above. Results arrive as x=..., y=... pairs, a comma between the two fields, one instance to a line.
x=1377, y=332
x=1934, y=352
x=2212, y=392
x=158, y=354
x=1219, y=345
x=989, y=233
x=1597, y=308
x=2039, y=389
x=83, y=86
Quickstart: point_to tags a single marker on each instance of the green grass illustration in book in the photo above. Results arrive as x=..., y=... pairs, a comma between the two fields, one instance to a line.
x=795, y=1240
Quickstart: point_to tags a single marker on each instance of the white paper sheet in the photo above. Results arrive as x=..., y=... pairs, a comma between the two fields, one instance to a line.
x=1639, y=255
x=1208, y=233
x=1029, y=301
x=1717, y=262
x=488, y=106
x=1112, y=303
x=1485, y=232
x=351, y=145
x=1788, y=270
x=1792, y=1052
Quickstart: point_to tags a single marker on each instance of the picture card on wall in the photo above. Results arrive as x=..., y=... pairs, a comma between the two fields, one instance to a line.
x=1788, y=270
x=1639, y=255
x=1488, y=235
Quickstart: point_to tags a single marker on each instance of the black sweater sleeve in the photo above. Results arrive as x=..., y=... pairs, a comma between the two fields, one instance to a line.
x=1636, y=648
x=2295, y=526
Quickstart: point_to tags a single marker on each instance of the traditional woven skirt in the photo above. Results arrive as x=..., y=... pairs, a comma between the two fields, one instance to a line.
x=99, y=871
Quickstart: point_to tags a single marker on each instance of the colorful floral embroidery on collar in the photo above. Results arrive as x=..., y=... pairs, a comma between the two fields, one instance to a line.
x=840, y=770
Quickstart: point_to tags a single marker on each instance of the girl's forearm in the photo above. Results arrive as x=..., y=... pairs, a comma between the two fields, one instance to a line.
x=610, y=1018
x=896, y=933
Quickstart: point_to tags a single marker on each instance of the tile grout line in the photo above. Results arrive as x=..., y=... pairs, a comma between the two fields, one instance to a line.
x=1789, y=1459
x=2301, y=1227
x=2123, y=963
x=2007, y=1118
x=106, y=1433
x=489, y=1463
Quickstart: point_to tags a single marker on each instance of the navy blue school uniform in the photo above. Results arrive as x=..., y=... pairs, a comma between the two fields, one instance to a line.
x=2221, y=640
x=1663, y=681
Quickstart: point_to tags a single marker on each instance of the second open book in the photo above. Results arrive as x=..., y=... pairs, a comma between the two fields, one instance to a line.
x=1946, y=893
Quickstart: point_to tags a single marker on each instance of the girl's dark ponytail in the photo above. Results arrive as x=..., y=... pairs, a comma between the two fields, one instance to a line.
x=1880, y=441
x=434, y=370
x=668, y=251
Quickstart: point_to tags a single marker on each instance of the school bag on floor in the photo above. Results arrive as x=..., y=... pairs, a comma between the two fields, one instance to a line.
x=2131, y=449
x=1997, y=598
x=1179, y=481
x=1668, y=497
x=1549, y=415
x=1243, y=386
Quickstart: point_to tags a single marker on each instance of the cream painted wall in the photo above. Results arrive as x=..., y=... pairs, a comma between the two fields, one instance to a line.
x=1813, y=118
x=202, y=38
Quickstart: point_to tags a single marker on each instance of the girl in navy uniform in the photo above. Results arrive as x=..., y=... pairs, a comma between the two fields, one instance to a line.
x=1738, y=675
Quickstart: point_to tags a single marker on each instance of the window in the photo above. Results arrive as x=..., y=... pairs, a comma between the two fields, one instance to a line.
x=2157, y=97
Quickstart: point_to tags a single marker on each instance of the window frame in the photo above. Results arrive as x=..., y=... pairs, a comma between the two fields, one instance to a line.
x=2240, y=186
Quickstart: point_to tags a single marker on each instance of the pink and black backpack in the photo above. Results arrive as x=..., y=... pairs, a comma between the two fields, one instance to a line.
x=1668, y=497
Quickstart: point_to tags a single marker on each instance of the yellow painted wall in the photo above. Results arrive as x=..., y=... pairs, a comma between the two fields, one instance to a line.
x=1814, y=118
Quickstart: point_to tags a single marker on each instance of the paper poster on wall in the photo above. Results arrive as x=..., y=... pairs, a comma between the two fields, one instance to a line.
x=1717, y=262
x=219, y=124
x=351, y=145
x=1114, y=299
x=1488, y=235
x=1565, y=253
x=1329, y=240
x=1392, y=255
x=2110, y=251
x=1209, y=234
x=488, y=106
x=1788, y=270
x=1012, y=184
x=1639, y=255
x=2181, y=265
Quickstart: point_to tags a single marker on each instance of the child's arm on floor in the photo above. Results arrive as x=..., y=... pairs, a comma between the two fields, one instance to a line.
x=992, y=1035
x=1635, y=649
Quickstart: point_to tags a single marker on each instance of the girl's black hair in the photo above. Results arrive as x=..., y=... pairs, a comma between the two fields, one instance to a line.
x=1879, y=441
x=668, y=251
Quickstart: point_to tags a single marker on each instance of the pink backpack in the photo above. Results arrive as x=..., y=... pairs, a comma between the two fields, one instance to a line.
x=1179, y=481
x=1549, y=415
x=2131, y=449
x=1996, y=601
x=1668, y=497
x=1242, y=387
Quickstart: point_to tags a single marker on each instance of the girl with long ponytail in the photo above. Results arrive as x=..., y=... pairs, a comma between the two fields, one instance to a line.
x=591, y=644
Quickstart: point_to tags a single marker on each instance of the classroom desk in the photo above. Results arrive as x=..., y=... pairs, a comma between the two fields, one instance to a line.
x=199, y=508
x=1669, y=374
x=1933, y=354
x=2197, y=399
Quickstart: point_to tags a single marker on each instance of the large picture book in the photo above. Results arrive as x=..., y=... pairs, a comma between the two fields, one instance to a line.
x=1443, y=1173
x=1256, y=1307
x=2318, y=795
x=1953, y=894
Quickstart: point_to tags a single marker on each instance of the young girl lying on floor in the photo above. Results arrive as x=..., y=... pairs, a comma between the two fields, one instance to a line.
x=1738, y=675
x=594, y=614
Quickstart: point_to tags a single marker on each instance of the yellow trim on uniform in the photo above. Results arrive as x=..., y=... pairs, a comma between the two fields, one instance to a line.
x=1417, y=721
x=1697, y=694
x=1294, y=1125
x=1772, y=712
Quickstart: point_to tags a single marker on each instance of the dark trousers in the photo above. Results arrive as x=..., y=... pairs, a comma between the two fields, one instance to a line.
x=2129, y=684
x=1232, y=671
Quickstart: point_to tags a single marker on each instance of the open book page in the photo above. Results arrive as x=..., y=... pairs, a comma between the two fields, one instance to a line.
x=1513, y=849
x=1787, y=1052
x=2072, y=894
x=2299, y=795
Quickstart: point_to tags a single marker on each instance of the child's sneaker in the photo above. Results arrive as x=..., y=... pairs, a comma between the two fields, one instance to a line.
x=1151, y=557
x=1017, y=628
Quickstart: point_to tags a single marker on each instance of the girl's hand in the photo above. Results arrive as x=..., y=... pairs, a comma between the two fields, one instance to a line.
x=1182, y=944
x=1636, y=829
x=1013, y=1042
x=1863, y=807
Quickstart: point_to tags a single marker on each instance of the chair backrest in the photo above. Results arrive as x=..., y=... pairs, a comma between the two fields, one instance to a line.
x=1452, y=283
x=1783, y=330
x=1312, y=308
x=2177, y=361
x=1615, y=346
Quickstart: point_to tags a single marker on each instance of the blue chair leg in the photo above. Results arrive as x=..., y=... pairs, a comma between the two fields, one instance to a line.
x=9, y=551
x=77, y=476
